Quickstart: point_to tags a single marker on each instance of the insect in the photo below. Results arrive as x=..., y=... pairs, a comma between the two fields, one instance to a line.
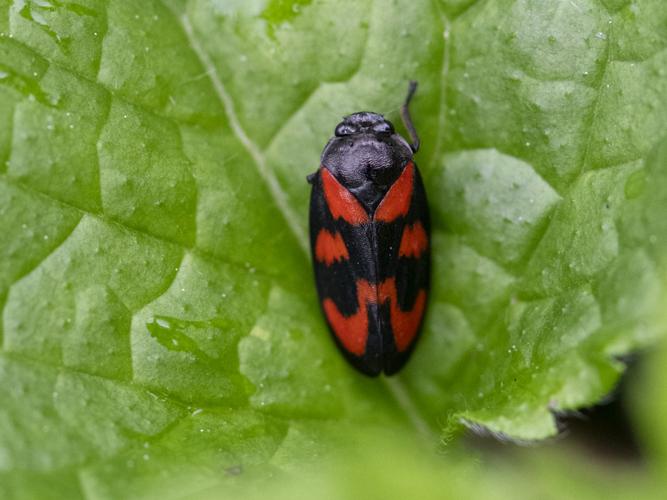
x=370, y=235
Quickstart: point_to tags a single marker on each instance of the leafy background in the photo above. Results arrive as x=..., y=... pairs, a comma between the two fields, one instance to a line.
x=160, y=332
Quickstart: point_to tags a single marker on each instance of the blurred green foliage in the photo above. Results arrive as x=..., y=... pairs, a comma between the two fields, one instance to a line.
x=160, y=333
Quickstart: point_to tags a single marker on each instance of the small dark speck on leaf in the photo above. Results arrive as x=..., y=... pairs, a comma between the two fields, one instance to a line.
x=234, y=470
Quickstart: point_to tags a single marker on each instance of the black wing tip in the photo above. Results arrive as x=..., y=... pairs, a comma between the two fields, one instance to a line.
x=366, y=364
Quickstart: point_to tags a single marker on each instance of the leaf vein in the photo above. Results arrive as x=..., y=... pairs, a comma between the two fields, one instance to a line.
x=196, y=251
x=444, y=73
x=256, y=154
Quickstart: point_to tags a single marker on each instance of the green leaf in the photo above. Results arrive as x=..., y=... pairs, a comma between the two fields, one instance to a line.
x=158, y=316
x=649, y=405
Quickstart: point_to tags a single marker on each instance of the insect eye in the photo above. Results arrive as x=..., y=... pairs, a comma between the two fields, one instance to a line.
x=344, y=129
x=383, y=128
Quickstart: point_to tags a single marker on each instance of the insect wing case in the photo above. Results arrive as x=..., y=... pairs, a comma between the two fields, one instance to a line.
x=370, y=235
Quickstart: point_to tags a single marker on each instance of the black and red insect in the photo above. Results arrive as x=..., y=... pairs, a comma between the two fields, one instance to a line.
x=369, y=235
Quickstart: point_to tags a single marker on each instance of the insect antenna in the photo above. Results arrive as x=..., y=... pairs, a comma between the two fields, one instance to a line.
x=405, y=116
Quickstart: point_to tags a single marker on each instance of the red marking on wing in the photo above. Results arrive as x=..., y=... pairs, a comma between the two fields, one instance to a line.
x=330, y=247
x=342, y=203
x=352, y=331
x=396, y=202
x=404, y=324
x=414, y=241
